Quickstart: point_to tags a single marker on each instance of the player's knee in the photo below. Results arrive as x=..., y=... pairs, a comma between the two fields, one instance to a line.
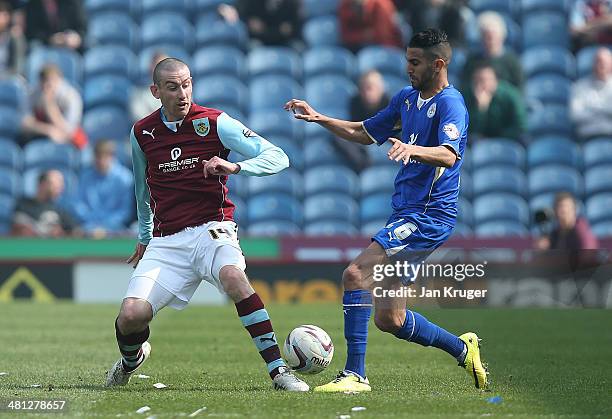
x=135, y=314
x=352, y=278
x=388, y=322
x=235, y=283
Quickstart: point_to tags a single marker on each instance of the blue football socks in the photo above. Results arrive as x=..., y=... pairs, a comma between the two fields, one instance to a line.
x=418, y=329
x=357, y=306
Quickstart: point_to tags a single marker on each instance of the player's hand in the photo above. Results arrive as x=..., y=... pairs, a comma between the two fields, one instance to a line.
x=302, y=110
x=399, y=151
x=137, y=255
x=219, y=167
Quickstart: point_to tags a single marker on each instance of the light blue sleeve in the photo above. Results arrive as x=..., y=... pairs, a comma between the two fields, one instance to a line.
x=263, y=157
x=143, y=196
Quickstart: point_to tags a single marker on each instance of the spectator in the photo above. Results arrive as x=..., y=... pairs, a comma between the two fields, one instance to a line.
x=368, y=22
x=570, y=232
x=12, y=42
x=41, y=216
x=142, y=102
x=496, y=107
x=271, y=22
x=591, y=22
x=103, y=205
x=591, y=98
x=56, y=109
x=452, y=15
x=59, y=23
x=370, y=99
x=493, y=34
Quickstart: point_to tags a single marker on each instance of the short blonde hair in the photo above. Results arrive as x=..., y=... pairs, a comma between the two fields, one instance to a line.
x=492, y=21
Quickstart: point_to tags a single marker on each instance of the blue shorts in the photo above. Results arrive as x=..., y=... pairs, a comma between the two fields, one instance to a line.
x=411, y=237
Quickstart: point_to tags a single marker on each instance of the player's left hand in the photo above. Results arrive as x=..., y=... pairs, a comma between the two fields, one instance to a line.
x=219, y=167
x=399, y=151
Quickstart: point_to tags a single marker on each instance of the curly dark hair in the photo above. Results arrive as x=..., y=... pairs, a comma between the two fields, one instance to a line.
x=434, y=42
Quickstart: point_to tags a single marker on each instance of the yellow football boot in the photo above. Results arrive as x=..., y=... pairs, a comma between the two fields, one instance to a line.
x=346, y=381
x=473, y=364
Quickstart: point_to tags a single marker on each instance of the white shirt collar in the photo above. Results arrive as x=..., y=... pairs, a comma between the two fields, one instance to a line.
x=172, y=125
x=421, y=102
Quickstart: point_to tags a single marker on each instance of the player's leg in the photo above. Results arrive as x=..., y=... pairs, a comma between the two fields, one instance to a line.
x=228, y=268
x=357, y=280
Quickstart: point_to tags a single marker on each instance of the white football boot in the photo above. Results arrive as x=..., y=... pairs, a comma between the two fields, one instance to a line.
x=117, y=376
x=287, y=381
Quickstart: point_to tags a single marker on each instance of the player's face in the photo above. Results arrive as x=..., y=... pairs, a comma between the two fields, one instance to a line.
x=420, y=68
x=174, y=90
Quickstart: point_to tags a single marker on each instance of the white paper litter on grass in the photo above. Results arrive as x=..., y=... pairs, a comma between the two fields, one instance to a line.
x=197, y=412
x=358, y=409
x=3, y=373
x=143, y=409
x=35, y=386
x=142, y=376
x=159, y=385
x=344, y=417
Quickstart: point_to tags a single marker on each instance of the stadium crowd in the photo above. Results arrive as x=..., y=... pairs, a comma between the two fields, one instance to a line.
x=535, y=74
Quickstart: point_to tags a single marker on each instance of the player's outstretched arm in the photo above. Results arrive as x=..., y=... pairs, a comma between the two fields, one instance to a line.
x=440, y=156
x=348, y=130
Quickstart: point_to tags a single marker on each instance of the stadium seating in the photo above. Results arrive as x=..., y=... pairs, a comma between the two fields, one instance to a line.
x=331, y=178
x=316, y=130
x=7, y=205
x=273, y=228
x=387, y=60
x=313, y=8
x=465, y=212
x=292, y=149
x=549, y=120
x=330, y=207
x=11, y=182
x=94, y=7
x=603, y=229
x=584, y=59
x=500, y=6
x=330, y=228
x=375, y=207
x=68, y=61
x=378, y=156
x=240, y=212
x=548, y=59
x=549, y=89
x=322, y=30
x=221, y=91
x=107, y=90
x=598, y=179
x=542, y=201
x=393, y=84
x=320, y=151
x=328, y=91
x=497, y=151
x=109, y=60
x=553, y=150
x=106, y=122
x=113, y=28
x=217, y=60
x=11, y=156
x=164, y=27
x=152, y=7
x=277, y=61
x=271, y=92
x=501, y=229
x=323, y=60
x=370, y=229
x=30, y=183
x=377, y=179
x=498, y=207
x=221, y=33
x=274, y=206
x=597, y=151
x=598, y=208
x=466, y=184
x=146, y=54
x=561, y=6
x=288, y=181
x=545, y=28
x=238, y=186
x=45, y=154
x=555, y=178
x=513, y=34
x=8, y=116
x=499, y=179
x=13, y=92
x=462, y=230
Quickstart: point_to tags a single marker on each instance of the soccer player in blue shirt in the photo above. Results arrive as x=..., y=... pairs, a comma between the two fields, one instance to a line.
x=432, y=119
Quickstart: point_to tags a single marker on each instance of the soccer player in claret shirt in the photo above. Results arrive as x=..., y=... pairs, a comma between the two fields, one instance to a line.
x=433, y=121
x=186, y=228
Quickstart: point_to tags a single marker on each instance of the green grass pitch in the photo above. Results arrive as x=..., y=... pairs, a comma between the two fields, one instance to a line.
x=543, y=363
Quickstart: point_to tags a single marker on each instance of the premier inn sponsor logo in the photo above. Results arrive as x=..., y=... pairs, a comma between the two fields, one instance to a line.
x=176, y=165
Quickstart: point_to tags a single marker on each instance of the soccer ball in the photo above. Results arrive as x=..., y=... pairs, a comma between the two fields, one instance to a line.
x=308, y=349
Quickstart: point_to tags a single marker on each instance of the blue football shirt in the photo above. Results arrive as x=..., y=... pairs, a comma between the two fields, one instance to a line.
x=441, y=120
